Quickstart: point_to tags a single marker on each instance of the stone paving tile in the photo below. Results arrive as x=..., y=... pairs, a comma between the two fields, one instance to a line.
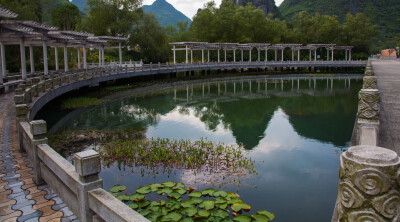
x=20, y=198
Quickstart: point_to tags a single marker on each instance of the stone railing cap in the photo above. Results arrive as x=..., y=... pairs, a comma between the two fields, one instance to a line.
x=372, y=155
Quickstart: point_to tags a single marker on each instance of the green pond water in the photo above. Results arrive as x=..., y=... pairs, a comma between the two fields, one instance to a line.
x=293, y=129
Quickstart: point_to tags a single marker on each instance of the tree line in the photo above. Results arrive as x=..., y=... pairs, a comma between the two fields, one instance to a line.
x=229, y=22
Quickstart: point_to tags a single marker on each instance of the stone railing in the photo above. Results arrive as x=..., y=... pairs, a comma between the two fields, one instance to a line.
x=369, y=175
x=78, y=185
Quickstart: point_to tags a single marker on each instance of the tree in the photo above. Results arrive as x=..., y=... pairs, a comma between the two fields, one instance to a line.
x=66, y=17
x=27, y=9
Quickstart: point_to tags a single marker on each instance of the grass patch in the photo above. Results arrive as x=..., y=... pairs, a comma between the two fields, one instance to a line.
x=118, y=88
x=79, y=102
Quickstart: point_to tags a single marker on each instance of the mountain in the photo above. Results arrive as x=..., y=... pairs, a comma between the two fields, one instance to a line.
x=384, y=13
x=268, y=6
x=80, y=3
x=165, y=13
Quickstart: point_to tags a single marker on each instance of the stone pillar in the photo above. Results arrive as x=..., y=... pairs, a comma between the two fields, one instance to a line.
x=368, y=117
x=88, y=167
x=346, y=51
x=369, y=185
x=120, y=54
x=310, y=55
x=3, y=59
x=45, y=61
x=79, y=57
x=298, y=55
x=100, y=57
x=23, y=58
x=282, y=55
x=258, y=51
x=191, y=56
x=174, y=53
x=31, y=59
x=276, y=55
x=187, y=59
x=65, y=59
x=225, y=54
x=21, y=111
x=202, y=55
x=266, y=54
x=327, y=55
x=250, y=55
x=242, y=54
x=315, y=55
x=218, y=56
x=84, y=58
x=350, y=55
x=38, y=131
x=208, y=55
x=369, y=82
x=56, y=58
x=234, y=55
x=292, y=55
x=332, y=54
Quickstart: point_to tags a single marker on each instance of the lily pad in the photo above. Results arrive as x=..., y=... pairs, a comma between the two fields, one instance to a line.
x=190, y=201
x=155, y=208
x=155, y=186
x=174, y=195
x=203, y=213
x=207, y=205
x=123, y=197
x=219, y=200
x=235, y=200
x=169, y=184
x=133, y=206
x=180, y=191
x=143, y=204
x=165, y=190
x=173, y=216
x=155, y=203
x=240, y=206
x=187, y=205
x=222, y=205
x=226, y=220
x=209, y=192
x=231, y=195
x=242, y=218
x=162, y=202
x=165, y=211
x=136, y=196
x=187, y=219
x=220, y=213
x=179, y=185
x=213, y=219
x=270, y=215
x=154, y=216
x=220, y=193
x=143, y=190
x=260, y=218
x=196, y=200
x=144, y=212
x=173, y=206
x=191, y=211
x=117, y=188
x=195, y=194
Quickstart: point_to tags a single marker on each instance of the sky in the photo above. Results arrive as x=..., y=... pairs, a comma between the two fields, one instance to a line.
x=189, y=7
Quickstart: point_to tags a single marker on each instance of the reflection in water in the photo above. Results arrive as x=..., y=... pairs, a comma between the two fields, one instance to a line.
x=293, y=127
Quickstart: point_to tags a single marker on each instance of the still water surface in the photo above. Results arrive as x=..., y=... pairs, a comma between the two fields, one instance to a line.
x=293, y=128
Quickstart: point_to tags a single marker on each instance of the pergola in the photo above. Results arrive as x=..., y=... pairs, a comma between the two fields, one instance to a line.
x=190, y=46
x=33, y=34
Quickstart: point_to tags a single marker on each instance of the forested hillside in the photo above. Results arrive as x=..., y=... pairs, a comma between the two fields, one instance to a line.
x=385, y=14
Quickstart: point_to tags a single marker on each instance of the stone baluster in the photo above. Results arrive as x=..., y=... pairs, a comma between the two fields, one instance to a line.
x=38, y=131
x=19, y=97
x=369, y=185
x=368, y=117
x=21, y=111
x=88, y=167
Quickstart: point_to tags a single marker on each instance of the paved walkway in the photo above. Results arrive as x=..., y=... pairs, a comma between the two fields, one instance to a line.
x=20, y=198
x=388, y=75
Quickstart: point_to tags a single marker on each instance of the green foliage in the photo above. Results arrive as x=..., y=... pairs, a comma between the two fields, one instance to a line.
x=66, y=17
x=80, y=102
x=48, y=6
x=186, y=208
x=27, y=9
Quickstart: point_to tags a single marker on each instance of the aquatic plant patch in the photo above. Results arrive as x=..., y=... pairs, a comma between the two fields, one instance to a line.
x=80, y=102
x=171, y=201
x=166, y=155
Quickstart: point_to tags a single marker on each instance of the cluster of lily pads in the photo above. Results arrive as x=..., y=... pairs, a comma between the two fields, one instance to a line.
x=171, y=201
x=200, y=156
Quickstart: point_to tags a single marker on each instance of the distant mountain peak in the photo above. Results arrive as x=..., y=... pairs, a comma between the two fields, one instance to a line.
x=166, y=13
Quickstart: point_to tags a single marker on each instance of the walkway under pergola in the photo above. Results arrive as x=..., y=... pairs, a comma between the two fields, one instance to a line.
x=33, y=34
x=189, y=47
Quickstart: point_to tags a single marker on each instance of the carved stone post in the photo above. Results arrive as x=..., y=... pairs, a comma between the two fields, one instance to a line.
x=21, y=111
x=38, y=131
x=369, y=185
x=88, y=167
x=369, y=82
x=368, y=117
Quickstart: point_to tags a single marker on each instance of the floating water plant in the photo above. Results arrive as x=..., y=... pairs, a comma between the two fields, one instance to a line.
x=165, y=155
x=185, y=204
x=80, y=102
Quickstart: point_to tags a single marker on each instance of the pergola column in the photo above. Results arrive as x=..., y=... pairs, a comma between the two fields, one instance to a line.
x=298, y=55
x=84, y=58
x=332, y=54
x=174, y=52
x=32, y=61
x=202, y=56
x=23, y=59
x=120, y=54
x=346, y=51
x=315, y=55
x=242, y=54
x=310, y=55
x=258, y=51
x=65, y=59
x=266, y=54
x=292, y=54
x=250, y=55
x=350, y=55
x=327, y=56
x=100, y=57
x=276, y=55
x=234, y=55
x=45, y=62
x=191, y=56
x=282, y=55
x=79, y=57
x=218, y=56
x=3, y=60
x=187, y=56
x=225, y=54
x=56, y=58
x=208, y=55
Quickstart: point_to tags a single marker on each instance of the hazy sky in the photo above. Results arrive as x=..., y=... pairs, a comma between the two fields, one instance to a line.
x=189, y=7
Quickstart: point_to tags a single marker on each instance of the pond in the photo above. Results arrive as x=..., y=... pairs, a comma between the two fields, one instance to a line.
x=294, y=128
